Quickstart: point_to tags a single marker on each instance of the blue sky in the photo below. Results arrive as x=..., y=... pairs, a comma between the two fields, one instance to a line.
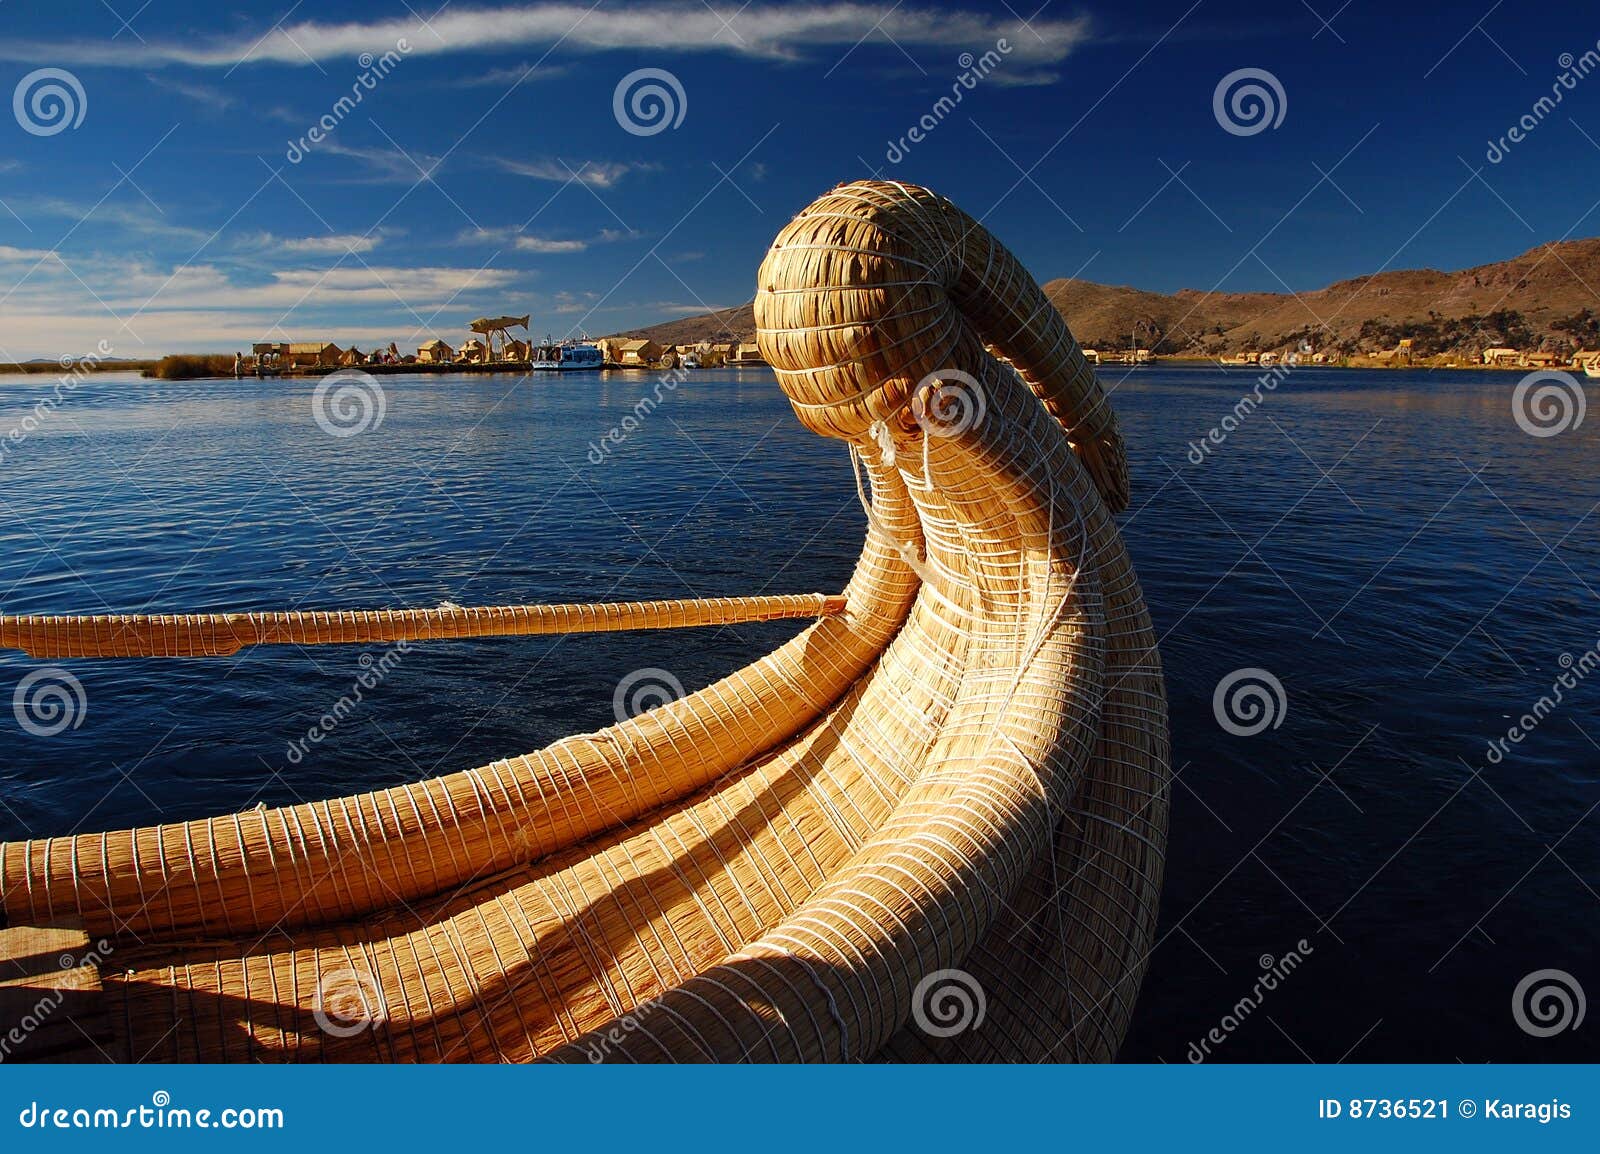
x=487, y=169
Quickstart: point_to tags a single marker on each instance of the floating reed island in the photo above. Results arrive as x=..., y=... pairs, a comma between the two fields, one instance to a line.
x=957, y=773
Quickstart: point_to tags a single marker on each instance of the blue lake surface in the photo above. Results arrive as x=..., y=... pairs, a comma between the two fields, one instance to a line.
x=1392, y=547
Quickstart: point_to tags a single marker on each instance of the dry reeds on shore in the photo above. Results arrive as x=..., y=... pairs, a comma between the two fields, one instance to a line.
x=192, y=366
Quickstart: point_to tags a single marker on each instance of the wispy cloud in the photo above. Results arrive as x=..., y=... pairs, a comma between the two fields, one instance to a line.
x=529, y=242
x=166, y=308
x=382, y=165
x=769, y=31
x=10, y=254
x=516, y=74
x=545, y=244
x=339, y=244
x=208, y=96
x=598, y=173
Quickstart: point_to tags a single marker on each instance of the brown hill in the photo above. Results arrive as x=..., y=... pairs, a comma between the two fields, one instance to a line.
x=1541, y=299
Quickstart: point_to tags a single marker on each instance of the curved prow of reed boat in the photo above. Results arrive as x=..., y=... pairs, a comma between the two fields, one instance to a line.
x=930, y=826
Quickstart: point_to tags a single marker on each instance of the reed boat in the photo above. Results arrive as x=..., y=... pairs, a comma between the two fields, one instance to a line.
x=929, y=827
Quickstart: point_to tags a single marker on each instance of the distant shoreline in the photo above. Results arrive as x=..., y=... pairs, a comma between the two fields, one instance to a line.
x=73, y=365
x=145, y=368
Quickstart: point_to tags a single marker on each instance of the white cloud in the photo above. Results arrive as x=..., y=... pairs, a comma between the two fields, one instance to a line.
x=598, y=173
x=543, y=244
x=146, y=310
x=505, y=77
x=328, y=244
x=527, y=242
x=9, y=254
x=769, y=31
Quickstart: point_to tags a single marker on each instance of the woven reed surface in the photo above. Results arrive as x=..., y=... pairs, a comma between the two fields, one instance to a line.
x=967, y=768
x=222, y=634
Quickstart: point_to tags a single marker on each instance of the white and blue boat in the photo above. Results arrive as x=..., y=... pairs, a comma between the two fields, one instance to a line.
x=565, y=356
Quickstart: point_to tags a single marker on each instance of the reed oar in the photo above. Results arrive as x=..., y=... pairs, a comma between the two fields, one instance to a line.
x=221, y=634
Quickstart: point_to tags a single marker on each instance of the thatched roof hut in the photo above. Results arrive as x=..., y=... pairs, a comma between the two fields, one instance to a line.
x=310, y=353
x=434, y=352
x=638, y=353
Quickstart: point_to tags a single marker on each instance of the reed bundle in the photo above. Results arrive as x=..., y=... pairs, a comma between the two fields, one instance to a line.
x=223, y=634
x=962, y=774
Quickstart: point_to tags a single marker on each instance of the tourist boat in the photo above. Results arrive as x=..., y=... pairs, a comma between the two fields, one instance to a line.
x=565, y=356
x=931, y=826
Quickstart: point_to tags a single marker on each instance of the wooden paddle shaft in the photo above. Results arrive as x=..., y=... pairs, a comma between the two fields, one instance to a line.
x=220, y=634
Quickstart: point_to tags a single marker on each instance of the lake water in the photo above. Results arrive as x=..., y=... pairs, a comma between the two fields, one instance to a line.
x=1405, y=560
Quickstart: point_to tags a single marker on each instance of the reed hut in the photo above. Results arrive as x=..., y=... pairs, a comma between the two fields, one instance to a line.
x=473, y=351
x=747, y=354
x=639, y=354
x=352, y=356
x=435, y=352
x=313, y=354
